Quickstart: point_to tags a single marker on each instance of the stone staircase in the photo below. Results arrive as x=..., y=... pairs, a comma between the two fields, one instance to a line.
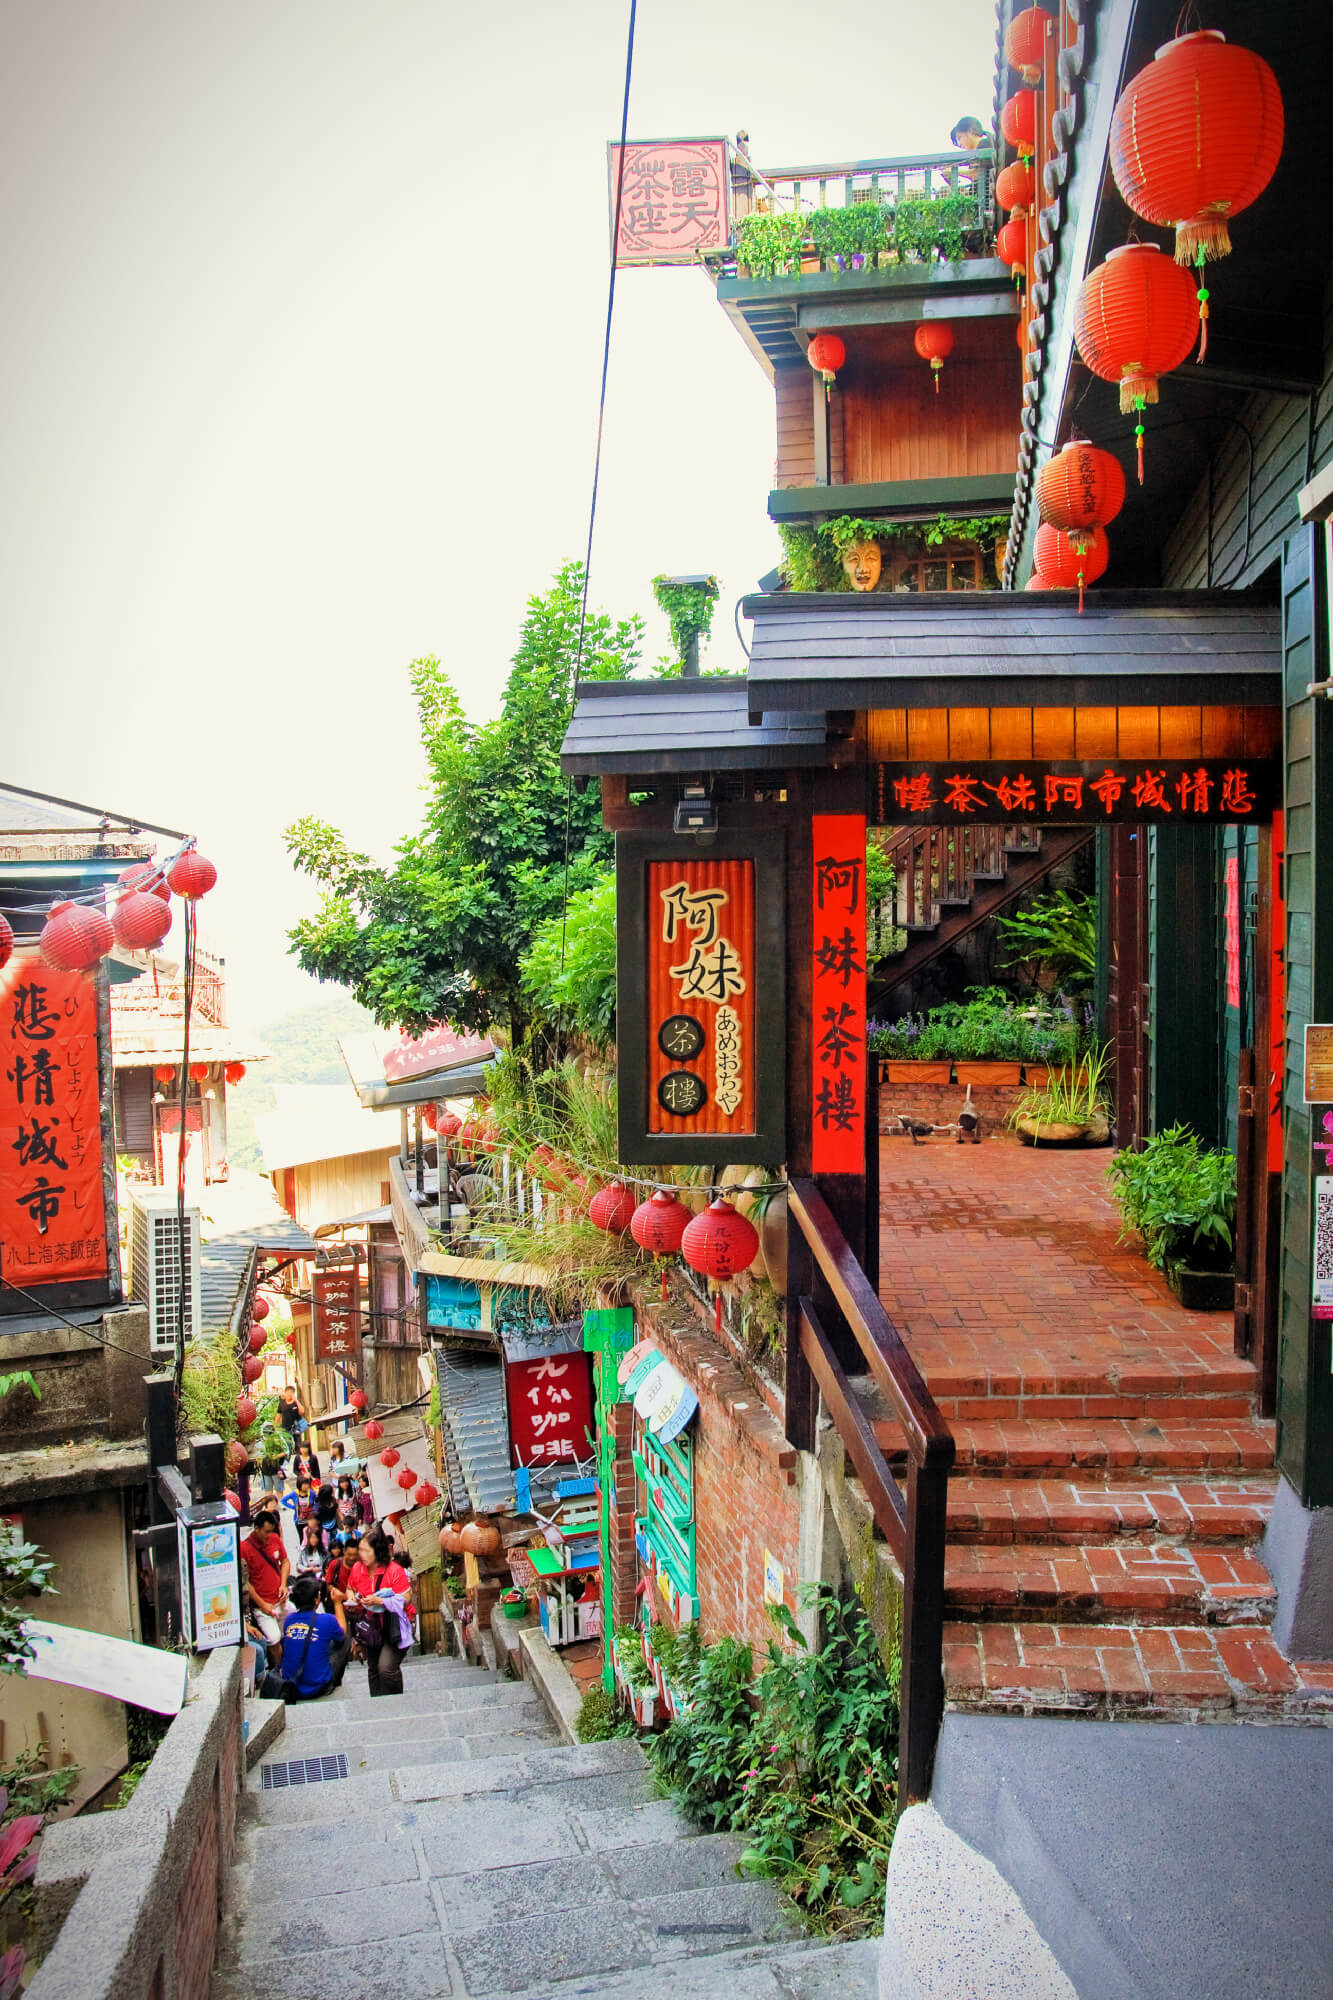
x=467, y=1851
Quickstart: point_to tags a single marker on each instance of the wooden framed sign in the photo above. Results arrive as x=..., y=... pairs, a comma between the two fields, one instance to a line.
x=701, y=1024
x=337, y=1298
x=838, y=988
x=675, y=200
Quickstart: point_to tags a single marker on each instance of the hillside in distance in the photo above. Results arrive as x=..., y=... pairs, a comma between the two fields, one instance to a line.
x=303, y=1048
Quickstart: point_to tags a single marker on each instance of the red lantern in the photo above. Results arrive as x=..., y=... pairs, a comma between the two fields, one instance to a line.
x=1066, y=567
x=255, y=1339
x=74, y=939
x=425, y=1493
x=933, y=341
x=827, y=354
x=612, y=1208
x=1018, y=123
x=1036, y=581
x=358, y=1399
x=720, y=1243
x=1011, y=245
x=165, y=1073
x=252, y=1368
x=1082, y=487
x=235, y=1072
x=389, y=1458
x=374, y=1430
x=1195, y=138
x=246, y=1412
x=143, y=879
x=1134, y=320
x=6, y=941
x=259, y=1306
x=140, y=921
x=428, y=1116
x=1025, y=42
x=191, y=876
x=198, y=1072
x=659, y=1223
x=1015, y=186
x=407, y=1479
x=448, y=1125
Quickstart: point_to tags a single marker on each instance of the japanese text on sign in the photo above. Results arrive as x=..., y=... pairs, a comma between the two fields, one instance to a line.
x=701, y=996
x=52, y=1206
x=838, y=987
x=550, y=1409
x=1159, y=789
x=673, y=200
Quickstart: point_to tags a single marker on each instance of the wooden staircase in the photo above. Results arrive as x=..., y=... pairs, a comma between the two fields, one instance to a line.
x=949, y=879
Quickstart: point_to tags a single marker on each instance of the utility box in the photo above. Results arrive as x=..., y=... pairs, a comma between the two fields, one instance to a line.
x=159, y=1272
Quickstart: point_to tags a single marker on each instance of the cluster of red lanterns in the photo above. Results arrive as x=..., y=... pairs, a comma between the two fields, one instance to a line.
x=1026, y=41
x=75, y=937
x=1079, y=492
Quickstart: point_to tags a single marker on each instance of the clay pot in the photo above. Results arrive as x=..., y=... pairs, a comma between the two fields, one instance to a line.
x=1034, y=1133
x=481, y=1538
x=451, y=1541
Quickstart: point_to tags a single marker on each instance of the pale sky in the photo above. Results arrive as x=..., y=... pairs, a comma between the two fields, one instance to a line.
x=303, y=327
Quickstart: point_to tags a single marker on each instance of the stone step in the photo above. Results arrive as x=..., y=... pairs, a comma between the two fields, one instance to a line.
x=1022, y=1448
x=1099, y=1509
x=1094, y=1387
x=422, y=1714
x=408, y=1793
x=514, y=1731
x=1161, y=1584
x=812, y=1972
x=1185, y=1673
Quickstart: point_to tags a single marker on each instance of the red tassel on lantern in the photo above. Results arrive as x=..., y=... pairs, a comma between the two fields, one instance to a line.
x=1134, y=320
x=720, y=1243
x=1018, y=123
x=1065, y=566
x=191, y=876
x=140, y=921
x=1011, y=245
x=74, y=939
x=612, y=1208
x=1025, y=42
x=1015, y=185
x=933, y=341
x=659, y=1224
x=826, y=354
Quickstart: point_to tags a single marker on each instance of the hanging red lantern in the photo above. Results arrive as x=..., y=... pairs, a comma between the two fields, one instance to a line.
x=359, y=1400
x=235, y=1072
x=259, y=1306
x=143, y=879
x=1134, y=321
x=389, y=1458
x=198, y=1072
x=1018, y=123
x=191, y=876
x=612, y=1208
x=6, y=942
x=1015, y=186
x=1036, y=581
x=165, y=1073
x=252, y=1368
x=1066, y=567
x=826, y=354
x=255, y=1339
x=1026, y=40
x=933, y=341
x=407, y=1479
x=428, y=1116
x=1195, y=138
x=374, y=1430
x=425, y=1493
x=1082, y=487
x=448, y=1125
x=1011, y=245
x=246, y=1412
x=140, y=921
x=659, y=1223
x=73, y=939
x=720, y=1243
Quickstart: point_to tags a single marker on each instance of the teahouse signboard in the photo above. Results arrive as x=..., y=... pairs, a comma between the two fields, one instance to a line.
x=701, y=1025
x=838, y=986
x=674, y=200
x=1156, y=790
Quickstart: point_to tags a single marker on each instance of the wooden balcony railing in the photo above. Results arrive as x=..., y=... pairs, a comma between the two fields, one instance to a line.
x=842, y=184
x=936, y=867
x=914, y=1525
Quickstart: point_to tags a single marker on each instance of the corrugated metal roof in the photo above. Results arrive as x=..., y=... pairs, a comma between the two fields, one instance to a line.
x=681, y=725
x=224, y=1271
x=476, y=1423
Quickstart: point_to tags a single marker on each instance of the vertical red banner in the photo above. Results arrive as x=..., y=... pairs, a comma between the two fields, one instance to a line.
x=52, y=1208
x=838, y=1031
x=1231, y=930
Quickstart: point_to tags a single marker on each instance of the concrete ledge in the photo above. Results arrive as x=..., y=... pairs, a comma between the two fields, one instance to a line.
x=552, y=1680
x=266, y=1720
x=1298, y=1552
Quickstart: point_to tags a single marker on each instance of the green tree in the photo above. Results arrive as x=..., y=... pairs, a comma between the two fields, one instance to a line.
x=438, y=935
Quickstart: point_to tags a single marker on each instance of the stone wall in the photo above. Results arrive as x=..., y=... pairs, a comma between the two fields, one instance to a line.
x=130, y=1899
x=87, y=1386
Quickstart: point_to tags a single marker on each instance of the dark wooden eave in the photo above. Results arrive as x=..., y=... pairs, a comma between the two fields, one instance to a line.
x=827, y=651
x=643, y=727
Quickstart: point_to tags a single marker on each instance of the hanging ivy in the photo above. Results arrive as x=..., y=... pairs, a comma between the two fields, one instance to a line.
x=812, y=556
x=688, y=609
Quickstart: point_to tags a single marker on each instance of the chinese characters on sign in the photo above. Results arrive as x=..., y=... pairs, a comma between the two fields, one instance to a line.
x=838, y=907
x=673, y=200
x=701, y=926
x=52, y=1206
x=338, y=1313
x=550, y=1408
x=1160, y=789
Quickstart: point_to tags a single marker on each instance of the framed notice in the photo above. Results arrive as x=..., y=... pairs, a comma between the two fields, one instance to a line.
x=701, y=1023
x=1319, y=1062
x=675, y=200
x=838, y=987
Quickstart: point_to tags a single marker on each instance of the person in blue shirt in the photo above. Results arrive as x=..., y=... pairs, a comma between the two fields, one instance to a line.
x=315, y=1643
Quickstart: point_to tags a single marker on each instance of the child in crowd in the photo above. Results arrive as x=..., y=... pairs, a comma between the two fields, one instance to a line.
x=310, y=1559
x=349, y=1508
x=338, y=1568
x=367, y=1503
x=304, y=1504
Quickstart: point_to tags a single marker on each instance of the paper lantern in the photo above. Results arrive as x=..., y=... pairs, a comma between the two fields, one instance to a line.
x=255, y=1339
x=259, y=1306
x=191, y=876
x=1015, y=186
x=612, y=1208
x=6, y=941
x=389, y=1458
x=1011, y=245
x=480, y=1538
x=451, y=1542
x=1036, y=581
x=1134, y=320
x=1082, y=487
x=374, y=1430
x=165, y=1073
x=933, y=341
x=1018, y=123
x=235, y=1072
x=198, y=1072
x=1026, y=40
x=826, y=354
x=359, y=1400
x=252, y=1368
x=1066, y=567
x=720, y=1243
x=140, y=921
x=407, y=1479
x=246, y=1412
x=425, y=1493
x=144, y=879
x=1195, y=138
x=449, y=1125
x=659, y=1224
x=235, y=1457
x=428, y=1116
x=73, y=939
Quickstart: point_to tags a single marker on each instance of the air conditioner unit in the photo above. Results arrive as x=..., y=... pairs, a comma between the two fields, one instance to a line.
x=156, y=1277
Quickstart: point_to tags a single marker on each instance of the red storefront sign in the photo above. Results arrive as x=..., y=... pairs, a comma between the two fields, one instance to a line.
x=674, y=200
x=701, y=1000
x=52, y=1205
x=1160, y=790
x=838, y=1012
x=337, y=1293
x=550, y=1408
x=1231, y=929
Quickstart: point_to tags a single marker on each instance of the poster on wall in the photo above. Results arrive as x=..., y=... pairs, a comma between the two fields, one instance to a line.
x=208, y=1541
x=52, y=1201
x=1322, y=1265
x=550, y=1409
x=838, y=985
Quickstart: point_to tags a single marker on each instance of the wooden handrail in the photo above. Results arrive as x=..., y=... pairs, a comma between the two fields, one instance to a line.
x=854, y=1428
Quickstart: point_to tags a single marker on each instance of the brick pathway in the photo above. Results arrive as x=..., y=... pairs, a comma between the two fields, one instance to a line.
x=1112, y=1480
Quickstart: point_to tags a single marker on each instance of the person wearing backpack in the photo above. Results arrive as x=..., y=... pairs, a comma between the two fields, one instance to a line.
x=315, y=1645
x=379, y=1602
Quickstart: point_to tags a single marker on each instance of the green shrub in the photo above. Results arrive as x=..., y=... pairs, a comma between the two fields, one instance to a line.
x=990, y=1026
x=1181, y=1198
x=569, y=969
x=596, y=1721
x=1057, y=934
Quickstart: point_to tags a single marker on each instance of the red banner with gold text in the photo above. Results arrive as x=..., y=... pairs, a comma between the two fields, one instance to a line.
x=52, y=1208
x=838, y=1012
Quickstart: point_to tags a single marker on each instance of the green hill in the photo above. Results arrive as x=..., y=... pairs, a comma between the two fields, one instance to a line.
x=303, y=1048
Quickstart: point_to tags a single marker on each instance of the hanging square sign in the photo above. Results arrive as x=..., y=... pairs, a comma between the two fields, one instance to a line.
x=838, y=986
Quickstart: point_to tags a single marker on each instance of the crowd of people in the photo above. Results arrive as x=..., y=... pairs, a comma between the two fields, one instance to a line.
x=347, y=1595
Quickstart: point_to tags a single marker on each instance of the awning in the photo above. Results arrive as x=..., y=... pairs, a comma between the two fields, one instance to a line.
x=682, y=725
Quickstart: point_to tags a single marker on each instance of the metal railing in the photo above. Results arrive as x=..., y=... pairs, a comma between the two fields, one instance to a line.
x=912, y=1524
x=844, y=183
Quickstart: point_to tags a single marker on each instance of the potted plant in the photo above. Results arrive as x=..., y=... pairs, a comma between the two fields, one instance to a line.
x=1181, y=1197
x=637, y=1680
x=515, y=1603
x=1068, y=1109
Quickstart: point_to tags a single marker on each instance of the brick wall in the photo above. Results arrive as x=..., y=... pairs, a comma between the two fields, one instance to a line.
x=196, y=1918
x=940, y=1103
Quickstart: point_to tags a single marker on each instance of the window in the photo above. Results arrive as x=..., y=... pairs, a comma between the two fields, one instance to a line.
x=937, y=569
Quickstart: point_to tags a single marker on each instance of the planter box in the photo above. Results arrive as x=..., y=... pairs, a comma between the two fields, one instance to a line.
x=1202, y=1291
x=893, y=1069
x=1036, y=1075
x=987, y=1075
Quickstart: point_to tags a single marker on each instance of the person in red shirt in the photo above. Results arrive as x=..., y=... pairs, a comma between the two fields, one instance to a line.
x=374, y=1575
x=266, y=1569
